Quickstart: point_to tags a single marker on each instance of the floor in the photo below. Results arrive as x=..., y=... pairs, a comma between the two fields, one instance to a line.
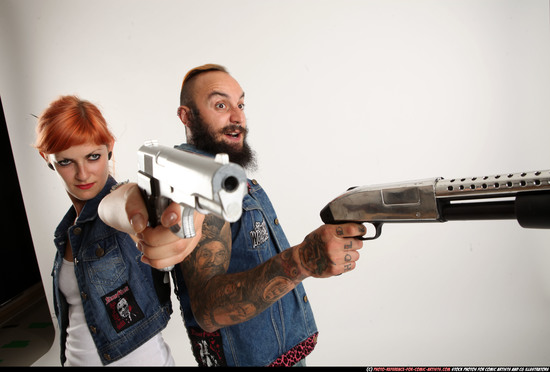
x=26, y=330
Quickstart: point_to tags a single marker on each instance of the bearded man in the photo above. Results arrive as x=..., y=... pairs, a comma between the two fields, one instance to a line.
x=240, y=287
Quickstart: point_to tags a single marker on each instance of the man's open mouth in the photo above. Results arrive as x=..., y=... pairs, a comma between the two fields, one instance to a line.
x=234, y=131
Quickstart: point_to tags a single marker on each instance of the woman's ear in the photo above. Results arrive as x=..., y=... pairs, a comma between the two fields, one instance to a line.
x=110, y=147
x=45, y=156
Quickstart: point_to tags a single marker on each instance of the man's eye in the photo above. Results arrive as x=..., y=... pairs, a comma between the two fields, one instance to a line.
x=220, y=105
x=241, y=106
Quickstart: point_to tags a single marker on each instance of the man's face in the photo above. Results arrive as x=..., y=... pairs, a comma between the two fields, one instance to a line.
x=217, y=122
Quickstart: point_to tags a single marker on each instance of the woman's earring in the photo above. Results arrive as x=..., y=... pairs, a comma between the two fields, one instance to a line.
x=50, y=166
x=110, y=155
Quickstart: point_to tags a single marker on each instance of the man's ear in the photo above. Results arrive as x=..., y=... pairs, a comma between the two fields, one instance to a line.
x=184, y=113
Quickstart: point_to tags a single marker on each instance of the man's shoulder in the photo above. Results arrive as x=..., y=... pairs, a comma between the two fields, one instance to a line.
x=190, y=148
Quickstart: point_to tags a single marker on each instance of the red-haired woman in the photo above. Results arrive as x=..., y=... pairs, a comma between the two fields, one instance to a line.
x=110, y=306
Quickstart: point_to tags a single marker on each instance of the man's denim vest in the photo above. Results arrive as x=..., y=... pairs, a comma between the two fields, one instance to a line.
x=125, y=301
x=258, y=236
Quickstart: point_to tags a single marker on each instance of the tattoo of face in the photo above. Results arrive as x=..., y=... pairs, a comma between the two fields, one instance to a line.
x=311, y=256
x=210, y=257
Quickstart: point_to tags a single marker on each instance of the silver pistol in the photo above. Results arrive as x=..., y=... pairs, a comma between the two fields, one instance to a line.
x=196, y=182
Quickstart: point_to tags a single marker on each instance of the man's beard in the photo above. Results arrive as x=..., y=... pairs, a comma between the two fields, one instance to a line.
x=204, y=140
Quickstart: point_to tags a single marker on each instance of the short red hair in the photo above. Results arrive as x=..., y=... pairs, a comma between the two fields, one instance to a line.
x=70, y=121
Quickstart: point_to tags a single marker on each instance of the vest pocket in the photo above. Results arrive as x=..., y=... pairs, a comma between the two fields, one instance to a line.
x=104, y=263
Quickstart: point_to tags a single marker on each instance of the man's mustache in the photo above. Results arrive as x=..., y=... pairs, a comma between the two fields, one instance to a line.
x=232, y=128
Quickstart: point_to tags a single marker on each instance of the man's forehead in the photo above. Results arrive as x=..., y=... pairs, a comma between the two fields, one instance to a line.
x=215, y=83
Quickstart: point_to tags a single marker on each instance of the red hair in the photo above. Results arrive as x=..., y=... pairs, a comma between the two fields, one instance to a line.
x=70, y=121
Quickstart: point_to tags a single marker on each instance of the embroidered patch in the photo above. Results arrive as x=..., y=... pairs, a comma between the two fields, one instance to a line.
x=122, y=308
x=259, y=235
x=207, y=347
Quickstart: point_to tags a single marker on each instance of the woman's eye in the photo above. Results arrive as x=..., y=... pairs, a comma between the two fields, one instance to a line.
x=64, y=163
x=94, y=156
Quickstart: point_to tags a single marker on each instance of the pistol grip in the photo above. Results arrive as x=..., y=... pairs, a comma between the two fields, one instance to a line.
x=154, y=202
x=187, y=229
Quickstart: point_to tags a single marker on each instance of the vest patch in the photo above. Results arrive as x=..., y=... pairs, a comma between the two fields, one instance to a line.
x=259, y=235
x=122, y=308
x=207, y=347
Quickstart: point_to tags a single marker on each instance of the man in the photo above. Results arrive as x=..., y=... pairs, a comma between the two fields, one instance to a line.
x=240, y=288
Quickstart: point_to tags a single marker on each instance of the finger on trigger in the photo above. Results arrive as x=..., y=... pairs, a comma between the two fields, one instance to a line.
x=171, y=215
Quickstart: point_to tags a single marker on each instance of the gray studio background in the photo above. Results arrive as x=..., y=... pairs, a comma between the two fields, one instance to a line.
x=339, y=93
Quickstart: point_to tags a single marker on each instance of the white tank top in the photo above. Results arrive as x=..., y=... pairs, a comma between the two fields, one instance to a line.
x=80, y=348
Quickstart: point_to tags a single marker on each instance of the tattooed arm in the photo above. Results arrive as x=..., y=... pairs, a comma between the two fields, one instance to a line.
x=219, y=299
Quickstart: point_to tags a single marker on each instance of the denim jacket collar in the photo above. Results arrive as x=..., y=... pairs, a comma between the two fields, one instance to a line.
x=88, y=213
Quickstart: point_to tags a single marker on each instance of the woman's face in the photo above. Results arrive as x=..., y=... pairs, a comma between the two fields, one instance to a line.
x=84, y=170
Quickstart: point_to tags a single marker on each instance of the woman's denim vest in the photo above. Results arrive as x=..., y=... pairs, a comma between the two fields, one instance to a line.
x=125, y=301
x=258, y=236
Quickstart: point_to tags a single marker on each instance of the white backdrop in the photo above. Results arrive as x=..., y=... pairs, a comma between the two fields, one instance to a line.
x=339, y=93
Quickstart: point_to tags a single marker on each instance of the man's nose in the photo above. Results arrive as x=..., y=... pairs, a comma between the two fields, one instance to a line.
x=237, y=116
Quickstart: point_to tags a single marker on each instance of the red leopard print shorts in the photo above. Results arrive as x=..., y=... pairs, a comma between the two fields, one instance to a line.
x=296, y=354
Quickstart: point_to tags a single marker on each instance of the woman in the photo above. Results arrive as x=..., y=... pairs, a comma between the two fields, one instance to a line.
x=111, y=307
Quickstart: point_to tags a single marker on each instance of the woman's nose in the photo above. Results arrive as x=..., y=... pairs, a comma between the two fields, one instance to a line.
x=82, y=172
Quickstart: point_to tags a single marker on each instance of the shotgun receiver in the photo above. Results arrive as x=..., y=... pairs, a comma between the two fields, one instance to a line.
x=521, y=196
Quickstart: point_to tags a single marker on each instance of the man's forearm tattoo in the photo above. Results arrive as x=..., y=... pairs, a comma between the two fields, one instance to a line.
x=289, y=266
x=220, y=299
x=311, y=255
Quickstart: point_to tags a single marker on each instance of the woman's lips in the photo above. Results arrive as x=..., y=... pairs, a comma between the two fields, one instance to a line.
x=85, y=186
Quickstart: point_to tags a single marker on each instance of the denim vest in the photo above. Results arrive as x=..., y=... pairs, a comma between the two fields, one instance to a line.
x=125, y=301
x=258, y=236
